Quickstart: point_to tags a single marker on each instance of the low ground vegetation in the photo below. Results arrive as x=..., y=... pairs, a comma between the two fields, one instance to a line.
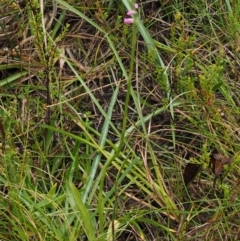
x=113, y=131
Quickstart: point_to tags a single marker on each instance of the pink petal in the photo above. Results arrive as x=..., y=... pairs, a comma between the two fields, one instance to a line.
x=128, y=20
x=131, y=12
x=135, y=5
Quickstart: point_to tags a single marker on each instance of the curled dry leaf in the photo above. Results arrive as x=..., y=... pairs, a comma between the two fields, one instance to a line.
x=190, y=172
x=217, y=162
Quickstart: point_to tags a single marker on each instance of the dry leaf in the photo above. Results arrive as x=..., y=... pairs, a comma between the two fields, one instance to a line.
x=217, y=161
x=190, y=172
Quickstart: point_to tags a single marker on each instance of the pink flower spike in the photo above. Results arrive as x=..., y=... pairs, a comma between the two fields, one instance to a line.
x=128, y=20
x=135, y=5
x=131, y=12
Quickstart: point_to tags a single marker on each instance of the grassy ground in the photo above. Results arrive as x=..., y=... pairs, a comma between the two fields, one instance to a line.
x=103, y=122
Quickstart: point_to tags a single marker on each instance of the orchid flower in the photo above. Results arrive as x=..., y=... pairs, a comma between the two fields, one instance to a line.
x=128, y=20
x=130, y=13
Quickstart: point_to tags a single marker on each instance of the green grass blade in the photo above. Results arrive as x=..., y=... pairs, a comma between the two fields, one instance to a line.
x=85, y=216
